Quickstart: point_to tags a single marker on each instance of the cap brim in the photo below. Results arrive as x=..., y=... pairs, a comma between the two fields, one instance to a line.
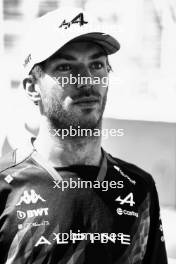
x=110, y=44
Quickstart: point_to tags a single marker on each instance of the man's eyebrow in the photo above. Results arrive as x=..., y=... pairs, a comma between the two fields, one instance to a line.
x=97, y=55
x=65, y=56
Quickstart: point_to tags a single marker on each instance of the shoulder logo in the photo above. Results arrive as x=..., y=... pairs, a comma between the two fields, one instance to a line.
x=29, y=197
x=27, y=60
x=8, y=178
x=79, y=19
x=124, y=175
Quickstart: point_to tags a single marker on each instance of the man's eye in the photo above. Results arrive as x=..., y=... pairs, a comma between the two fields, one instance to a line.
x=97, y=65
x=63, y=67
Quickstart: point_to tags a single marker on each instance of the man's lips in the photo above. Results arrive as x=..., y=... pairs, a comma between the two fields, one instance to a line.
x=86, y=100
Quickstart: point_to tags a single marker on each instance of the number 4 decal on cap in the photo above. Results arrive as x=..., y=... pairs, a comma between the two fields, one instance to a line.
x=78, y=19
x=127, y=200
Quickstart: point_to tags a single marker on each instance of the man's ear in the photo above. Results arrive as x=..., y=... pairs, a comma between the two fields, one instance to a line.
x=32, y=89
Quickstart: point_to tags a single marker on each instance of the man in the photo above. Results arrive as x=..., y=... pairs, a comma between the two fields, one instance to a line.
x=63, y=198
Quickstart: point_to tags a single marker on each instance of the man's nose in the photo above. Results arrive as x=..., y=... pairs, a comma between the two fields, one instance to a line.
x=84, y=77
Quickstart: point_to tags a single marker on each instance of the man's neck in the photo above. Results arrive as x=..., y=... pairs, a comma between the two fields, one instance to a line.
x=68, y=151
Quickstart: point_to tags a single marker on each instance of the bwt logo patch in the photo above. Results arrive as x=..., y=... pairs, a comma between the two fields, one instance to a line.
x=79, y=19
x=32, y=213
x=29, y=197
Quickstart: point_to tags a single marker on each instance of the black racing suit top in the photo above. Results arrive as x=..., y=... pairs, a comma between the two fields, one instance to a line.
x=78, y=214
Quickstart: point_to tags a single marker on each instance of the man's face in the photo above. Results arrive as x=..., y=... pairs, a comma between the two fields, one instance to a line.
x=76, y=102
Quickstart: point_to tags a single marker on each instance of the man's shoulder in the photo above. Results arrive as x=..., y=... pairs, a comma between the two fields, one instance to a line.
x=12, y=159
x=8, y=160
x=7, y=165
x=133, y=171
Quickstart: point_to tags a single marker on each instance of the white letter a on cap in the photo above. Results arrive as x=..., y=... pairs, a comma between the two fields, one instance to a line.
x=42, y=241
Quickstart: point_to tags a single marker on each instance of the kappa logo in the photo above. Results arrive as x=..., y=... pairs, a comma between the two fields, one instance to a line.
x=32, y=213
x=79, y=19
x=29, y=197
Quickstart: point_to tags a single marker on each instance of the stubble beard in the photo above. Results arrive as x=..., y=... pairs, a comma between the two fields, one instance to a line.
x=59, y=118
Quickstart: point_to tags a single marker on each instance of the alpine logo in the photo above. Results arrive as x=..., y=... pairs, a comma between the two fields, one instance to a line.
x=29, y=197
x=127, y=200
x=79, y=19
x=32, y=213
